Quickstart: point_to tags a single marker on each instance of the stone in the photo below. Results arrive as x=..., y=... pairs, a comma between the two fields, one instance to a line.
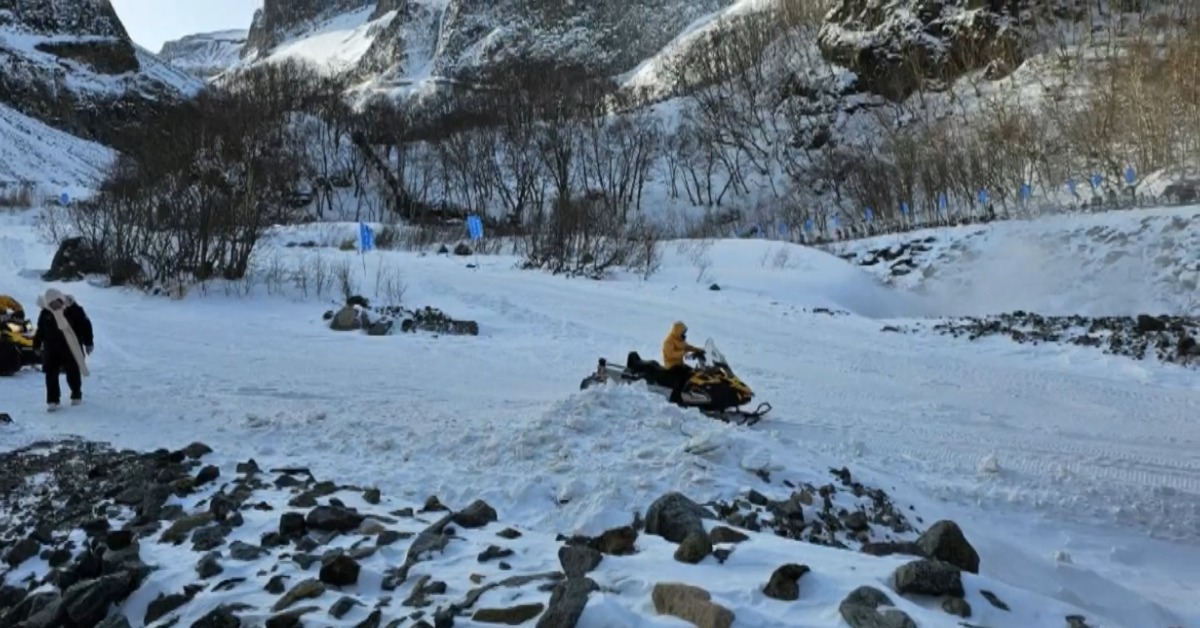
x=181, y=528
x=577, y=560
x=206, y=475
x=292, y=525
x=691, y=604
x=22, y=551
x=164, y=604
x=476, y=515
x=493, y=552
x=275, y=585
x=304, y=590
x=616, y=542
x=508, y=533
x=197, y=450
x=723, y=534
x=208, y=566
x=695, y=548
x=890, y=548
x=993, y=599
x=87, y=602
x=372, y=496
x=675, y=517
x=512, y=616
x=333, y=519
x=928, y=577
x=290, y=618
x=387, y=537
x=945, y=541
x=860, y=609
x=220, y=617
x=342, y=606
x=567, y=602
x=957, y=606
x=784, y=583
x=239, y=550
x=340, y=571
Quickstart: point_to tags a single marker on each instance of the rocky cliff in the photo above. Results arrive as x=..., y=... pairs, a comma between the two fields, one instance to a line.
x=205, y=54
x=72, y=65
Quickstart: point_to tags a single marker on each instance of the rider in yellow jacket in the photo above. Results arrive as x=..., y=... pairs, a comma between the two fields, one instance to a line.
x=675, y=347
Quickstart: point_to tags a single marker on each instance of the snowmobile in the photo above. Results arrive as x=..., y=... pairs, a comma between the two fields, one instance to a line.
x=16, y=344
x=713, y=388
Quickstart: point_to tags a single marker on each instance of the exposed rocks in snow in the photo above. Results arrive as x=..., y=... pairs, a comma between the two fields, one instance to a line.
x=358, y=315
x=850, y=516
x=1168, y=338
x=85, y=526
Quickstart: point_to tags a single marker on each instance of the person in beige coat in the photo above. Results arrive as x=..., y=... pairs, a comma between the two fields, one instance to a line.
x=64, y=335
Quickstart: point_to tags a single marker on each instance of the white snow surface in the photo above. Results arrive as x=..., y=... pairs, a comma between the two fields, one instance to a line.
x=1038, y=452
x=47, y=157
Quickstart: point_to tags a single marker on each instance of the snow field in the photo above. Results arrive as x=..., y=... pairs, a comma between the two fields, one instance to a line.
x=1032, y=451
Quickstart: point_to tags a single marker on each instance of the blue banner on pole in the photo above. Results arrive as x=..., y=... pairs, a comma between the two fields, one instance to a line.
x=1071, y=185
x=983, y=196
x=833, y=220
x=1026, y=191
x=808, y=224
x=366, y=237
x=475, y=227
x=943, y=202
x=1097, y=180
x=1130, y=175
x=904, y=208
x=64, y=200
x=870, y=215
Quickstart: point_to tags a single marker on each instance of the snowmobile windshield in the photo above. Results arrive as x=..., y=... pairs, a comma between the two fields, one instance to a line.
x=714, y=354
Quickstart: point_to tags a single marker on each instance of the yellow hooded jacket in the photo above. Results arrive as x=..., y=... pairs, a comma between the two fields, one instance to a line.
x=8, y=303
x=675, y=347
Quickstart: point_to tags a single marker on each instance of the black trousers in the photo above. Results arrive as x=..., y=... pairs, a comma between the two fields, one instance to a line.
x=676, y=377
x=52, y=367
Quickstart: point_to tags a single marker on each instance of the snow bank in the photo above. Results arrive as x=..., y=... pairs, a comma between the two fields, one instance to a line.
x=51, y=159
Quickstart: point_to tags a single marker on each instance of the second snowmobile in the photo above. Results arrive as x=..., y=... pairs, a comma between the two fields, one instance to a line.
x=713, y=388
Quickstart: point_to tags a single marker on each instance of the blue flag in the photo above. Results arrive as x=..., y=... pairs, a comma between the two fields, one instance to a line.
x=904, y=208
x=983, y=196
x=1097, y=180
x=808, y=224
x=1130, y=175
x=474, y=227
x=366, y=237
x=870, y=215
x=943, y=202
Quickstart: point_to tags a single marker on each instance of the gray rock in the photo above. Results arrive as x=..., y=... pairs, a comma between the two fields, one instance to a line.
x=23, y=550
x=87, y=602
x=691, y=604
x=477, y=515
x=860, y=610
x=493, y=552
x=343, y=606
x=208, y=566
x=723, y=534
x=577, y=560
x=957, y=606
x=693, y=549
x=304, y=590
x=675, y=517
x=275, y=585
x=209, y=537
x=784, y=583
x=993, y=600
x=220, y=617
x=890, y=548
x=239, y=550
x=929, y=577
x=340, y=571
x=945, y=541
x=333, y=519
x=197, y=450
x=512, y=616
x=567, y=603
x=115, y=621
x=164, y=604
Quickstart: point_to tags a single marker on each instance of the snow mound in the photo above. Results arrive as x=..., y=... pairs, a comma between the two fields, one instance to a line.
x=1116, y=263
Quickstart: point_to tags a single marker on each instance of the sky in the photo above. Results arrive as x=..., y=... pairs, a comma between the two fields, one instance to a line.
x=152, y=22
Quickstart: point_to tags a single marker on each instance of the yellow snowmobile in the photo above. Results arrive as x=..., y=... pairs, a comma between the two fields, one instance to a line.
x=713, y=388
x=16, y=338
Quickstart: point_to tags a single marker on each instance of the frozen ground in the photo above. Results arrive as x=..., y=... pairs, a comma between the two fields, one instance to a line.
x=1039, y=453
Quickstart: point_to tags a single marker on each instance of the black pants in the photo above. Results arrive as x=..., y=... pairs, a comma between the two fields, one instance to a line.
x=676, y=377
x=52, y=366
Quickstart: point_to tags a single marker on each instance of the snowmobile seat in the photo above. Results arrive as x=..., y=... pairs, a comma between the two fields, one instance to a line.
x=650, y=370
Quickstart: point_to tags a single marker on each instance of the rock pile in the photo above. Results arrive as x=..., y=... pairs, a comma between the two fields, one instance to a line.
x=92, y=536
x=358, y=315
x=1168, y=338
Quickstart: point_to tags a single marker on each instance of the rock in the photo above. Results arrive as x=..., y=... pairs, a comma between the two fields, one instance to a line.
x=945, y=541
x=209, y=538
x=197, y=450
x=208, y=566
x=22, y=551
x=164, y=604
x=372, y=496
x=239, y=550
x=928, y=577
x=723, y=534
x=349, y=318
x=333, y=519
x=275, y=585
x=292, y=525
x=695, y=548
x=207, y=474
x=616, y=542
x=860, y=610
x=73, y=259
x=577, y=560
x=86, y=603
x=220, y=617
x=493, y=552
x=342, y=606
x=304, y=590
x=957, y=606
x=477, y=515
x=785, y=582
x=1147, y=324
x=513, y=616
x=508, y=533
x=889, y=548
x=291, y=618
x=1077, y=621
x=856, y=521
x=691, y=604
x=372, y=620
x=181, y=528
x=675, y=517
x=387, y=537
x=340, y=571
x=993, y=600
x=567, y=603
x=114, y=621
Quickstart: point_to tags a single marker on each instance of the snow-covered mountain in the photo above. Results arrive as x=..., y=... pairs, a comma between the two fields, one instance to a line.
x=73, y=66
x=205, y=54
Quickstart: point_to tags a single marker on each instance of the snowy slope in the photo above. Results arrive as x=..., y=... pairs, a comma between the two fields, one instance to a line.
x=1103, y=264
x=1040, y=453
x=51, y=159
x=205, y=54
